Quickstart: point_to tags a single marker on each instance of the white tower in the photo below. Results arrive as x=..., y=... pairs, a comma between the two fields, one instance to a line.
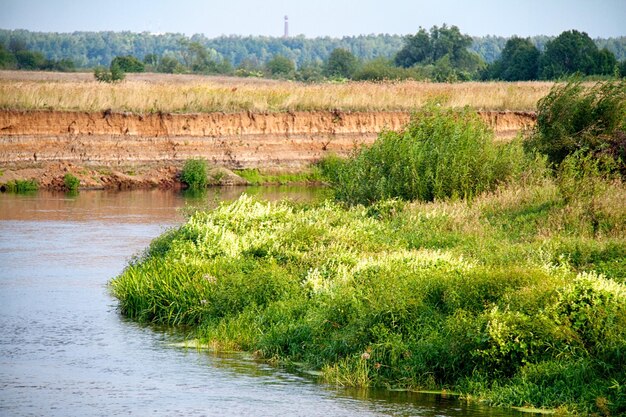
x=286, y=35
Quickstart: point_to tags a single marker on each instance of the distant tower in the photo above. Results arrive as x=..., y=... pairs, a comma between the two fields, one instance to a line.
x=286, y=35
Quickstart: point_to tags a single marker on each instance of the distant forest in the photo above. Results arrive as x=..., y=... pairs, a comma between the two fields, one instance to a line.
x=92, y=49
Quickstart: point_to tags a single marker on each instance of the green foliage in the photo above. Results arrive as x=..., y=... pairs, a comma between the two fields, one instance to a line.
x=341, y=64
x=71, y=182
x=441, y=153
x=519, y=61
x=112, y=75
x=445, y=48
x=255, y=177
x=91, y=49
x=20, y=186
x=382, y=69
x=575, y=117
x=194, y=174
x=169, y=65
x=128, y=63
x=280, y=67
x=29, y=60
x=457, y=295
x=574, y=52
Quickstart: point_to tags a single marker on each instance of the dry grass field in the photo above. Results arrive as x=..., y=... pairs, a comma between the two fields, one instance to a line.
x=180, y=93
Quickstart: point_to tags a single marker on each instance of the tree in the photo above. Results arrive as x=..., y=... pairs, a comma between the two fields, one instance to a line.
x=128, y=63
x=417, y=49
x=573, y=52
x=444, y=47
x=7, y=59
x=151, y=60
x=341, y=63
x=605, y=62
x=169, y=65
x=574, y=117
x=29, y=60
x=519, y=61
x=280, y=66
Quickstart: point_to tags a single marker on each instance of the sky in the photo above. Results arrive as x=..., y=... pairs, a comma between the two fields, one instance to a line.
x=313, y=18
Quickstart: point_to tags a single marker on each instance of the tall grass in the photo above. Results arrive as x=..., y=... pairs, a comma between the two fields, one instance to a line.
x=488, y=298
x=236, y=95
x=441, y=153
x=20, y=186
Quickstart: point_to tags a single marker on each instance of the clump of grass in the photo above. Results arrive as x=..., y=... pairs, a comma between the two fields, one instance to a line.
x=71, y=182
x=194, y=174
x=256, y=177
x=21, y=186
x=471, y=296
x=440, y=154
x=575, y=117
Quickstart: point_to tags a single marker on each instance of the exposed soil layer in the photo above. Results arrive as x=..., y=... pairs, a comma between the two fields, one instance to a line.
x=161, y=142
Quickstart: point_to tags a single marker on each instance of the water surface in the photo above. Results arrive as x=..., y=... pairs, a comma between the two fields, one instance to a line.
x=66, y=351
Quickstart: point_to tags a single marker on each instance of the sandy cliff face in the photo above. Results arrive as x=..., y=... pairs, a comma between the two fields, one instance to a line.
x=240, y=140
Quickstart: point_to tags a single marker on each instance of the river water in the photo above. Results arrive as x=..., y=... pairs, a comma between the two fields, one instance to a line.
x=66, y=351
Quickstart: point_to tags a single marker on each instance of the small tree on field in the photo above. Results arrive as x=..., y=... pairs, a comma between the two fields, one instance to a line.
x=519, y=61
x=128, y=63
x=341, y=63
x=114, y=74
x=281, y=67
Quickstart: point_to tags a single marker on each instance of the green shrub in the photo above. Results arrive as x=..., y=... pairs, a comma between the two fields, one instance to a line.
x=21, y=186
x=112, y=75
x=441, y=153
x=574, y=117
x=194, y=174
x=71, y=182
x=489, y=296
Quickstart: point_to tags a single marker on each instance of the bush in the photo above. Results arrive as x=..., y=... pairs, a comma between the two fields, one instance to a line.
x=194, y=174
x=20, y=186
x=128, y=63
x=114, y=74
x=71, y=182
x=441, y=153
x=573, y=117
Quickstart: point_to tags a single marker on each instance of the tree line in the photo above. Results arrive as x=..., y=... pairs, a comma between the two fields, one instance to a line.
x=439, y=54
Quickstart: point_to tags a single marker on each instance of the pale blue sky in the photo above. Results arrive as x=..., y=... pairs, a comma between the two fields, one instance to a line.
x=336, y=18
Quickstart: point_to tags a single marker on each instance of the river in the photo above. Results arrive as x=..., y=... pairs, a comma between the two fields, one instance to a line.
x=66, y=351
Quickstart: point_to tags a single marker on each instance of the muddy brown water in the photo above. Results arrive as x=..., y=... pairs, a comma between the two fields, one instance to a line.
x=66, y=351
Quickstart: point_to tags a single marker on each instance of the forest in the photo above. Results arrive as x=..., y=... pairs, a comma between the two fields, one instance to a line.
x=438, y=54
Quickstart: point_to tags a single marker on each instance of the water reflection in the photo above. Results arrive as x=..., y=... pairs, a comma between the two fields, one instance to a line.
x=65, y=350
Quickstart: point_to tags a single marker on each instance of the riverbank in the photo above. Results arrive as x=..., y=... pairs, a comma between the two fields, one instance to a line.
x=127, y=151
x=513, y=298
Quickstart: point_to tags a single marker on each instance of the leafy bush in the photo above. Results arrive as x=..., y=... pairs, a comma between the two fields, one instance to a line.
x=112, y=75
x=441, y=153
x=21, y=186
x=71, y=182
x=574, y=117
x=194, y=174
x=128, y=63
x=419, y=295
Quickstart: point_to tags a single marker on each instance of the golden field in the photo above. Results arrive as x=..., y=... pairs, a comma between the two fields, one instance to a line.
x=179, y=93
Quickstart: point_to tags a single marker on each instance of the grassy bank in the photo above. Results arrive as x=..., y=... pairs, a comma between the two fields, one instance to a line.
x=501, y=299
x=210, y=94
x=451, y=263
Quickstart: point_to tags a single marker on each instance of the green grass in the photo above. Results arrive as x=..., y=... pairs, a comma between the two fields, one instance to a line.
x=500, y=298
x=441, y=153
x=21, y=186
x=256, y=177
x=443, y=263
